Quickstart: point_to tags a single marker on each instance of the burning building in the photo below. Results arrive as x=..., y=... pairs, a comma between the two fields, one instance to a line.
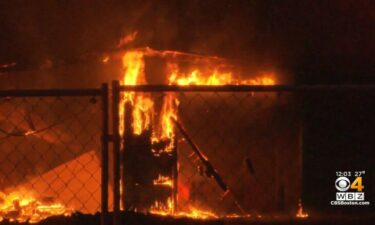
x=148, y=122
x=231, y=168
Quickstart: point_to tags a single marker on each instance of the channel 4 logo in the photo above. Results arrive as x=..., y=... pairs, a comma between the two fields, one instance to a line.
x=349, y=193
x=343, y=184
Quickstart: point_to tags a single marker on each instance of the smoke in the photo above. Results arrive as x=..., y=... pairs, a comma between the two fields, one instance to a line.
x=332, y=37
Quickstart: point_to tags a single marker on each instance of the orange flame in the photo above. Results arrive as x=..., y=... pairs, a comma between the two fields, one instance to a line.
x=142, y=105
x=197, y=78
x=196, y=213
x=192, y=212
x=162, y=209
x=300, y=212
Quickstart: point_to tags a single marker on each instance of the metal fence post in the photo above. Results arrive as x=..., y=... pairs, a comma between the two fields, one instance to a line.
x=116, y=151
x=104, y=143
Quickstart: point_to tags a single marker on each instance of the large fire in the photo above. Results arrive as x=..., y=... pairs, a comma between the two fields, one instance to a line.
x=143, y=106
x=22, y=206
x=143, y=110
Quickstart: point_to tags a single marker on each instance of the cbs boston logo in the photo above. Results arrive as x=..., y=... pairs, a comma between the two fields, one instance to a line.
x=349, y=193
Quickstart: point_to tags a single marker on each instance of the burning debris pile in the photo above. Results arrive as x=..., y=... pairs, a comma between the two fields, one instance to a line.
x=22, y=206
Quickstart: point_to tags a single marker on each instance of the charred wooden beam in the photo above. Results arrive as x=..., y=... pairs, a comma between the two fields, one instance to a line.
x=143, y=162
x=210, y=170
x=247, y=88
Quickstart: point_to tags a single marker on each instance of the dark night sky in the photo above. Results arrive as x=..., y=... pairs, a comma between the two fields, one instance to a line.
x=317, y=41
x=334, y=38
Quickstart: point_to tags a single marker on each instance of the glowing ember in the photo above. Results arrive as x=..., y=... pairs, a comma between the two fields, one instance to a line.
x=23, y=207
x=127, y=39
x=300, y=212
x=196, y=213
x=191, y=212
x=105, y=59
x=235, y=216
x=163, y=180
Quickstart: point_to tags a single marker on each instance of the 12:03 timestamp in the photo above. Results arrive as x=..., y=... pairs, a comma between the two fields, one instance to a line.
x=350, y=173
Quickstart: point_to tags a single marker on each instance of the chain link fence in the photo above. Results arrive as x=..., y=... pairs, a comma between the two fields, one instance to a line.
x=252, y=139
x=50, y=149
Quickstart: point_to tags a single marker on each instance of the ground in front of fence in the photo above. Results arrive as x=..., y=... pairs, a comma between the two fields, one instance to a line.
x=141, y=219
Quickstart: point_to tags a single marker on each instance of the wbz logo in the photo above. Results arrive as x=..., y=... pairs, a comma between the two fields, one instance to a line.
x=343, y=184
x=350, y=196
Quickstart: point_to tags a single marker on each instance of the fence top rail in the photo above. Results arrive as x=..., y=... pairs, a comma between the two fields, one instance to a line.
x=50, y=92
x=245, y=88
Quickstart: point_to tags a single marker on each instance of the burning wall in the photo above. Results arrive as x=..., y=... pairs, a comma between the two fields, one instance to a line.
x=236, y=131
